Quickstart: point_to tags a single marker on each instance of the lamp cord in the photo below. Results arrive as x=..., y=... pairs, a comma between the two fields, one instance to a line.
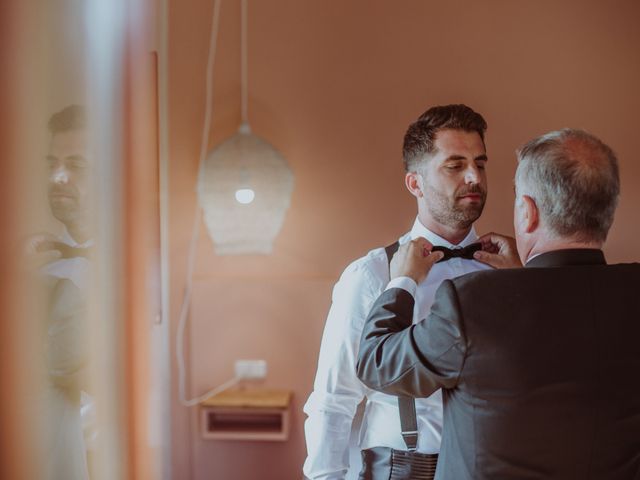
x=244, y=105
x=186, y=302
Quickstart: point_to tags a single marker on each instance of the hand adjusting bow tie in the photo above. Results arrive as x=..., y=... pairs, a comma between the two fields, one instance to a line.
x=465, y=252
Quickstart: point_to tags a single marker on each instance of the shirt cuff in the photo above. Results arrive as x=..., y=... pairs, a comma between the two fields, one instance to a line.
x=405, y=283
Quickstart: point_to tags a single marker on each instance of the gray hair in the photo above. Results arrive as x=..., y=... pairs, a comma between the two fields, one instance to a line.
x=573, y=178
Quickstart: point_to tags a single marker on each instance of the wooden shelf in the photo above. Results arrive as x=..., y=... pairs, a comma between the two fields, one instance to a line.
x=246, y=415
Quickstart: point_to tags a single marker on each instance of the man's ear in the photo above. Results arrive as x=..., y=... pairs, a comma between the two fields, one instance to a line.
x=531, y=214
x=413, y=182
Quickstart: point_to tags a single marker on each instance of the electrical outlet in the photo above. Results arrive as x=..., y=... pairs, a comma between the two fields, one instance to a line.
x=251, y=369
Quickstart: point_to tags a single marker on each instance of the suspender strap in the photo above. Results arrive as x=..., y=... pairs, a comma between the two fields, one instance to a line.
x=408, y=422
x=406, y=405
x=390, y=251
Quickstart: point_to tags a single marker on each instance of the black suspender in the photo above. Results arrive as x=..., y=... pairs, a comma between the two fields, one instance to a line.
x=406, y=405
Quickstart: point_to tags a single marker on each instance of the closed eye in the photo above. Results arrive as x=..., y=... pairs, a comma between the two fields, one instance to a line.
x=453, y=166
x=78, y=165
x=77, y=162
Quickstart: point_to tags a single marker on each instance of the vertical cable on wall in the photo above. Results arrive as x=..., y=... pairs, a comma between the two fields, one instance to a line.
x=243, y=64
x=186, y=302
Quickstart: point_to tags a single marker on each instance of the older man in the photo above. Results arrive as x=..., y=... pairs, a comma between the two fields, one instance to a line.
x=537, y=364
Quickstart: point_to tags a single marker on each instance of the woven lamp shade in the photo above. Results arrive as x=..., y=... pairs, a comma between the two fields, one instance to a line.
x=244, y=161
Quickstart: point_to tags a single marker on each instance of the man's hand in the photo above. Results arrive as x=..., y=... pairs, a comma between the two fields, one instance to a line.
x=498, y=251
x=39, y=251
x=414, y=259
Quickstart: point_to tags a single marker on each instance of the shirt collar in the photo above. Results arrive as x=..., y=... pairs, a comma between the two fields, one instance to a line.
x=419, y=230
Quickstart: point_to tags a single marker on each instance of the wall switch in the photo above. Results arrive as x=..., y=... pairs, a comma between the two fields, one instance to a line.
x=251, y=369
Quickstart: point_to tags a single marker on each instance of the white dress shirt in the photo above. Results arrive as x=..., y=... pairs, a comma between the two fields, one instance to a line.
x=338, y=391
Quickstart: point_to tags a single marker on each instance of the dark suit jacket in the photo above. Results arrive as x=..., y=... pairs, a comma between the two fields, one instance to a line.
x=539, y=366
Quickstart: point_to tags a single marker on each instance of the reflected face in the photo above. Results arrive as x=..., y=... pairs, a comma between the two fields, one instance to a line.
x=68, y=177
x=454, y=180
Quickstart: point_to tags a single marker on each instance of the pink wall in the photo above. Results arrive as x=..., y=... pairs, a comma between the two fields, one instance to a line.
x=333, y=86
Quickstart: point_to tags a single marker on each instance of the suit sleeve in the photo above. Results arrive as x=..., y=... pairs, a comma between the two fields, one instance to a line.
x=399, y=358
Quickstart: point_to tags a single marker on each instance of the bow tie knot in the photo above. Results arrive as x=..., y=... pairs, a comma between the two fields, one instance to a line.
x=464, y=252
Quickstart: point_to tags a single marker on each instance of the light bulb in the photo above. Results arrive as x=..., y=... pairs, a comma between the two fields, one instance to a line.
x=245, y=195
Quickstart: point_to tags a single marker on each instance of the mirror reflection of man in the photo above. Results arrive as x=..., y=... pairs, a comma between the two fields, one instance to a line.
x=445, y=159
x=65, y=267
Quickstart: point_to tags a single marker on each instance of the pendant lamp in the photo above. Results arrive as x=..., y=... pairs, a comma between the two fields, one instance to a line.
x=244, y=184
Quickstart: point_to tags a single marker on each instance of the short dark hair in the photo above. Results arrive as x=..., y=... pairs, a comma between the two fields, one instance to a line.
x=574, y=179
x=420, y=136
x=72, y=117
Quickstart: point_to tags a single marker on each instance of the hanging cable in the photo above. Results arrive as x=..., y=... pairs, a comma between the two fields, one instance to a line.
x=186, y=302
x=243, y=65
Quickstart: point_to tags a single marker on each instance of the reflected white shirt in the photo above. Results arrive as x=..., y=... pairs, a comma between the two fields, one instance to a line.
x=78, y=271
x=338, y=391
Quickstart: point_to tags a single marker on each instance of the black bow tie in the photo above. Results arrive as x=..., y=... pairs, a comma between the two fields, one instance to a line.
x=465, y=252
